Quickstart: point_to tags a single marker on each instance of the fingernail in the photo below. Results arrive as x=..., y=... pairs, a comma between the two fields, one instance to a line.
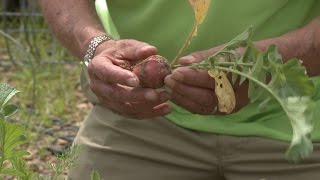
x=187, y=59
x=168, y=90
x=177, y=76
x=133, y=82
x=167, y=109
x=150, y=49
x=150, y=95
x=169, y=81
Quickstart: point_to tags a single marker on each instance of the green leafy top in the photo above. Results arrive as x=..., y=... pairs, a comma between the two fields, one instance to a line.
x=6, y=93
x=271, y=79
x=95, y=175
x=11, y=136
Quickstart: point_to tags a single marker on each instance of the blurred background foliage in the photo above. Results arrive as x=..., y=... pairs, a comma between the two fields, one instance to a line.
x=51, y=103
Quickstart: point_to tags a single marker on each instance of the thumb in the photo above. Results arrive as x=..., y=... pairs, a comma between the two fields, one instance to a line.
x=198, y=56
x=135, y=50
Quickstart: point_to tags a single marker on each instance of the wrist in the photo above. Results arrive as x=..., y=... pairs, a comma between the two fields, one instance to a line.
x=294, y=44
x=85, y=36
x=304, y=44
x=310, y=40
x=94, y=43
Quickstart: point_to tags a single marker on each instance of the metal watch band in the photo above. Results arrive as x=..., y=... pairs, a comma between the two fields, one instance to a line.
x=94, y=43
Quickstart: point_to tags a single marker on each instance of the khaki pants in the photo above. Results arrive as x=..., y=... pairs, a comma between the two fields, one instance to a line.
x=156, y=149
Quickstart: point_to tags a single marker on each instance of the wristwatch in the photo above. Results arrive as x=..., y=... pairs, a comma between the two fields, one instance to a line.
x=94, y=43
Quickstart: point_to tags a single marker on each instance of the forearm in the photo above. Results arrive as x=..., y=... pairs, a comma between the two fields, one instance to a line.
x=74, y=23
x=303, y=43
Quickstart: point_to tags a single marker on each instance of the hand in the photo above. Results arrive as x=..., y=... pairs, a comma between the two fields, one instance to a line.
x=194, y=89
x=191, y=89
x=117, y=88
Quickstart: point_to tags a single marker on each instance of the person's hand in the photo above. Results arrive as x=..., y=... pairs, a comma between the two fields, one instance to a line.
x=194, y=89
x=117, y=88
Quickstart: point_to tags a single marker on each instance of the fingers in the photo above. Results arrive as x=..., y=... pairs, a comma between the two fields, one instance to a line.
x=137, y=110
x=138, y=103
x=107, y=72
x=183, y=101
x=140, y=110
x=119, y=93
x=192, y=77
x=192, y=90
x=134, y=50
x=116, y=87
x=106, y=64
x=198, y=56
x=200, y=96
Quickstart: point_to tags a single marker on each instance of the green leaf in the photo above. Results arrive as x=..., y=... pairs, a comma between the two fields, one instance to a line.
x=296, y=103
x=317, y=94
x=6, y=93
x=19, y=169
x=9, y=110
x=11, y=136
x=298, y=83
x=241, y=40
x=273, y=56
x=12, y=172
x=17, y=154
x=297, y=91
x=95, y=175
x=255, y=91
x=300, y=112
x=288, y=84
x=249, y=56
x=21, y=166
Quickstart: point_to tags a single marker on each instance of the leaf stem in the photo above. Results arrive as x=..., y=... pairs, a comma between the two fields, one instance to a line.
x=217, y=63
x=233, y=63
x=2, y=141
x=255, y=81
x=194, y=28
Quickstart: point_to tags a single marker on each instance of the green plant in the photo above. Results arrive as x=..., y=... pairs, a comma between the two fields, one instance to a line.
x=50, y=85
x=64, y=162
x=289, y=85
x=12, y=136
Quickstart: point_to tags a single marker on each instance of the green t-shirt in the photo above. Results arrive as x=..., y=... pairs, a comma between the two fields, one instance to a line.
x=166, y=24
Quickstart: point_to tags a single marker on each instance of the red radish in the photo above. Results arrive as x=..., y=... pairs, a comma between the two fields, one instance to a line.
x=152, y=71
